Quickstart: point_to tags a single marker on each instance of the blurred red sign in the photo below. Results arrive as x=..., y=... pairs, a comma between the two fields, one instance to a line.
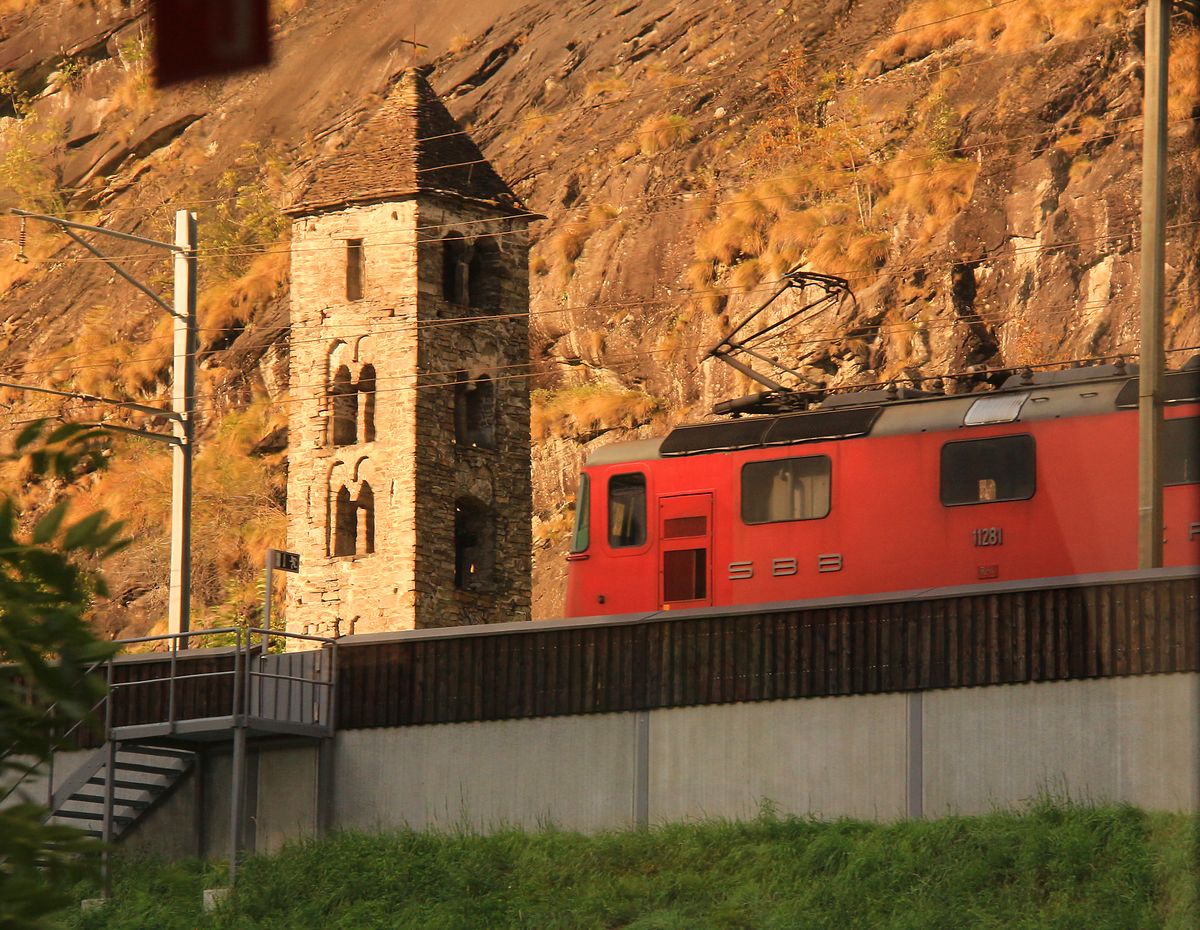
x=205, y=38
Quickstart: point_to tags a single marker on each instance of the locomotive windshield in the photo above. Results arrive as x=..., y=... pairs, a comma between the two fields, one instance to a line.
x=579, y=539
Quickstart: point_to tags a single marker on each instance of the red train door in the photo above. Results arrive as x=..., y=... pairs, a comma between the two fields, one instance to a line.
x=685, y=550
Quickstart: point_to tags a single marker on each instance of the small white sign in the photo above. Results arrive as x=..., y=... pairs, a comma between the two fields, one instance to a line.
x=285, y=561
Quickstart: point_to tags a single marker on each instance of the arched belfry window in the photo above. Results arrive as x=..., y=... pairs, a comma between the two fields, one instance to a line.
x=475, y=413
x=344, y=399
x=352, y=511
x=484, y=274
x=474, y=545
x=365, y=507
x=456, y=269
x=366, y=387
x=345, y=523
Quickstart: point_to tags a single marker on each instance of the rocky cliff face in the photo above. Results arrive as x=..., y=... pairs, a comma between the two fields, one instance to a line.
x=974, y=173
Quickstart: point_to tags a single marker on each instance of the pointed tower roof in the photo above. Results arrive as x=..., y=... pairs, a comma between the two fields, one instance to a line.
x=411, y=145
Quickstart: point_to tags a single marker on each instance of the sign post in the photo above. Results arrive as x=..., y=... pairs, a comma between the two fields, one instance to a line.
x=284, y=561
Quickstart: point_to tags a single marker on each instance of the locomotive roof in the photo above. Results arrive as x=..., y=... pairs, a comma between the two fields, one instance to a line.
x=1044, y=396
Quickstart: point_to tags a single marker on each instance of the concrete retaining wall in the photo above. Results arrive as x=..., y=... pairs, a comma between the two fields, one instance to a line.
x=879, y=757
x=1110, y=739
x=576, y=772
x=828, y=757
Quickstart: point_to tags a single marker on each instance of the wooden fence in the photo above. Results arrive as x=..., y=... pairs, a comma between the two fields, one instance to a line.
x=1127, y=627
x=1135, y=625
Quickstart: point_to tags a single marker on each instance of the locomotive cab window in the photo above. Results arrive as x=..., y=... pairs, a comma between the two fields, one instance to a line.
x=1181, y=451
x=627, y=510
x=786, y=489
x=579, y=538
x=987, y=471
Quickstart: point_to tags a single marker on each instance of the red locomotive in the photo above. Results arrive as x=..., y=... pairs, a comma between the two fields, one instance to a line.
x=864, y=493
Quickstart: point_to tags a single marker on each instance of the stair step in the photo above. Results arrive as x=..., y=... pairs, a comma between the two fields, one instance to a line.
x=92, y=815
x=146, y=768
x=162, y=766
x=117, y=801
x=122, y=783
x=183, y=755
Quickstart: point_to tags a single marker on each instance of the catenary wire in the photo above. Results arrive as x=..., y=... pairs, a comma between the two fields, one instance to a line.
x=837, y=47
x=290, y=248
x=479, y=319
x=974, y=372
x=1051, y=46
x=331, y=331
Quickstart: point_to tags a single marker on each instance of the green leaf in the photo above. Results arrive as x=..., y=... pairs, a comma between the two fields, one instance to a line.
x=29, y=434
x=83, y=533
x=106, y=536
x=47, y=527
x=38, y=461
x=66, y=431
x=8, y=520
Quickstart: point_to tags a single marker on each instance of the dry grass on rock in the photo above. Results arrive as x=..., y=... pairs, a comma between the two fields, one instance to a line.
x=928, y=26
x=237, y=514
x=589, y=409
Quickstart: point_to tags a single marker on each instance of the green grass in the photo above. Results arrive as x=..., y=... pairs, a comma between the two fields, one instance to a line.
x=1052, y=867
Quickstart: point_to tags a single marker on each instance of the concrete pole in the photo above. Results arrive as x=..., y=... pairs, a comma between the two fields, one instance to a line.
x=183, y=403
x=1150, y=364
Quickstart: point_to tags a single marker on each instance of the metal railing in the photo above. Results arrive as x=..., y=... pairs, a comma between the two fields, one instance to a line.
x=57, y=743
x=295, y=688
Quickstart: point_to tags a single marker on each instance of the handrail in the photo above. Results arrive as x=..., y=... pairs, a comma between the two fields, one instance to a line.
x=316, y=682
x=48, y=756
x=157, y=681
x=159, y=637
x=329, y=641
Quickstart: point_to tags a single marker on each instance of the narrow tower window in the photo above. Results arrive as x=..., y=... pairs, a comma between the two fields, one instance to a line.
x=366, y=520
x=456, y=269
x=345, y=408
x=474, y=545
x=354, y=269
x=344, y=523
x=475, y=413
x=484, y=275
x=366, y=387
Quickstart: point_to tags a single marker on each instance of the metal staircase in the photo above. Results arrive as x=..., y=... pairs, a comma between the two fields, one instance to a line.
x=143, y=777
x=166, y=702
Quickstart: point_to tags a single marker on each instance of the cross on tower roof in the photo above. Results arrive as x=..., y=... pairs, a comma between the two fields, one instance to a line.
x=411, y=145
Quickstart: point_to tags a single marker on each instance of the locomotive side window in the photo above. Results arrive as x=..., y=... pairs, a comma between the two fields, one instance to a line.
x=786, y=489
x=985, y=471
x=627, y=510
x=1181, y=451
x=579, y=539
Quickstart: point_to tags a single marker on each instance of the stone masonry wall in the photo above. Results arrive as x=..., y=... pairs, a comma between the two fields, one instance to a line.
x=340, y=595
x=415, y=468
x=491, y=341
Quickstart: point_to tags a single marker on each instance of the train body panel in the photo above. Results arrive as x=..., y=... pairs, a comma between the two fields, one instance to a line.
x=1051, y=492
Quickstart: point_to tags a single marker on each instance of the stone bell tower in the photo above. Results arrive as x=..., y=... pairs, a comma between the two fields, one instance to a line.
x=409, y=495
